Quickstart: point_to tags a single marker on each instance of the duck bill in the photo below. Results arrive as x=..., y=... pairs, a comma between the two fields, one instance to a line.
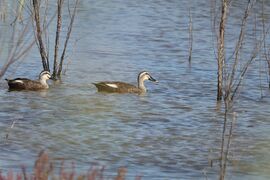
x=152, y=79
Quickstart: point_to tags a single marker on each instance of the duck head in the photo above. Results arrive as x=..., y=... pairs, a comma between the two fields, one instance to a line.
x=44, y=75
x=144, y=75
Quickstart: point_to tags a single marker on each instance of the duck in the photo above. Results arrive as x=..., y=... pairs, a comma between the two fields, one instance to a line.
x=28, y=84
x=122, y=87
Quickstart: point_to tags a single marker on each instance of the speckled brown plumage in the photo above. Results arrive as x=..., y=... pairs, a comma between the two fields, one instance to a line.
x=121, y=87
x=26, y=85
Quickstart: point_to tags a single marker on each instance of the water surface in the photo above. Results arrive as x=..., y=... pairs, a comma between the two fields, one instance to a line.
x=169, y=133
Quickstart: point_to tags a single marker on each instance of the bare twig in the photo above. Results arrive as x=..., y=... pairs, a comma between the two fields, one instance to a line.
x=46, y=30
x=213, y=24
x=43, y=53
x=58, y=30
x=239, y=44
x=3, y=10
x=67, y=38
x=40, y=33
x=19, y=46
x=266, y=55
x=222, y=157
x=231, y=85
x=228, y=143
x=221, y=50
x=237, y=84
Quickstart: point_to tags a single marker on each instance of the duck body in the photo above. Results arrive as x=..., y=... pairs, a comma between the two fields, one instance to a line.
x=28, y=84
x=122, y=87
x=25, y=84
x=117, y=87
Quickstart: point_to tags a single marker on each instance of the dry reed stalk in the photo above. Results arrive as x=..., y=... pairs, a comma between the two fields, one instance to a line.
x=9, y=129
x=190, y=36
x=20, y=9
x=42, y=167
x=3, y=10
x=121, y=174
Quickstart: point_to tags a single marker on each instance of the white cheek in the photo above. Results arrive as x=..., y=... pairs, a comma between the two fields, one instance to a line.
x=146, y=78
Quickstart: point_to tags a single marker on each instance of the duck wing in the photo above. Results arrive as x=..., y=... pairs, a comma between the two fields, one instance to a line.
x=116, y=87
x=17, y=79
x=18, y=83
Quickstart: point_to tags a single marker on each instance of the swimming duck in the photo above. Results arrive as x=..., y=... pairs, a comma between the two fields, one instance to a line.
x=27, y=84
x=122, y=87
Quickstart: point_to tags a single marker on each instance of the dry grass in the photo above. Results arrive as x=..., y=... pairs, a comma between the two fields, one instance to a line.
x=44, y=169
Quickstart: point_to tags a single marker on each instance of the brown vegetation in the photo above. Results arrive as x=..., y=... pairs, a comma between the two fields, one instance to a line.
x=44, y=169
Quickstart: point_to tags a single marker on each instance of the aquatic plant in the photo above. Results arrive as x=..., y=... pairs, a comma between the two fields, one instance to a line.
x=44, y=169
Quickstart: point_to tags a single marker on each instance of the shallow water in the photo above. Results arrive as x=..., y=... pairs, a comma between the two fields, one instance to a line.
x=169, y=133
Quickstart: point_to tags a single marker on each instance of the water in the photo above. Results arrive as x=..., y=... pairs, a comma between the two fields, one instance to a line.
x=169, y=133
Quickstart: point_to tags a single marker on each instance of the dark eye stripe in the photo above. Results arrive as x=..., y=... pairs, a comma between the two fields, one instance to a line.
x=45, y=73
x=144, y=73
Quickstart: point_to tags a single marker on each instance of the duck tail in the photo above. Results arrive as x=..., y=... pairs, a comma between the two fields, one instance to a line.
x=7, y=79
